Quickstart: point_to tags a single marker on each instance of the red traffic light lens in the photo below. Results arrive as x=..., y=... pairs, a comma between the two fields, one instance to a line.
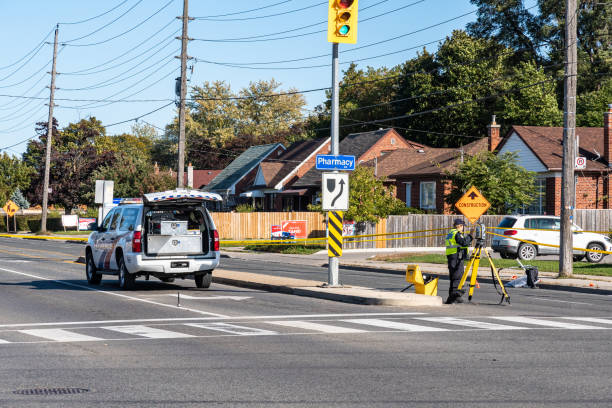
x=344, y=16
x=345, y=3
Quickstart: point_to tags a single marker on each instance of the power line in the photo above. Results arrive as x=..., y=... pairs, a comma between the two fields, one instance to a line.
x=262, y=17
x=125, y=32
x=104, y=26
x=24, y=64
x=246, y=11
x=260, y=38
x=84, y=71
x=98, y=16
x=28, y=54
x=140, y=116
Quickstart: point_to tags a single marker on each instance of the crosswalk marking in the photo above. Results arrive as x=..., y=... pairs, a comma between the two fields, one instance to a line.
x=148, y=332
x=548, y=323
x=320, y=327
x=232, y=329
x=470, y=323
x=590, y=319
x=59, y=335
x=388, y=324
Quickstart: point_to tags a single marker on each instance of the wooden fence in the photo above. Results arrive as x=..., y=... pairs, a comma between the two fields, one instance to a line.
x=258, y=225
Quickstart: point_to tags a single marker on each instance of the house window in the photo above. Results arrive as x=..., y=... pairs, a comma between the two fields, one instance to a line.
x=538, y=205
x=428, y=195
x=408, y=194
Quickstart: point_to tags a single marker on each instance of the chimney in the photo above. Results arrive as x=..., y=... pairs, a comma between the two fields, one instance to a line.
x=493, y=132
x=190, y=176
x=608, y=136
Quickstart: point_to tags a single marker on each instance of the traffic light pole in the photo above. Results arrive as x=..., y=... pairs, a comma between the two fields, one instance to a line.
x=333, y=262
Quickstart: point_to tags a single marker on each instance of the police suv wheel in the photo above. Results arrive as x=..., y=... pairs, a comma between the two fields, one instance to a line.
x=93, y=277
x=526, y=252
x=126, y=279
x=595, y=257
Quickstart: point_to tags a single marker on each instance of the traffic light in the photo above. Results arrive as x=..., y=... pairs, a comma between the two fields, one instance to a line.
x=342, y=23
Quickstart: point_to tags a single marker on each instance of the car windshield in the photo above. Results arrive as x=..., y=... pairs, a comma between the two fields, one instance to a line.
x=507, y=222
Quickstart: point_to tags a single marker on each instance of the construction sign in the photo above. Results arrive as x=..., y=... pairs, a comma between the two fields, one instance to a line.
x=334, y=233
x=473, y=204
x=10, y=208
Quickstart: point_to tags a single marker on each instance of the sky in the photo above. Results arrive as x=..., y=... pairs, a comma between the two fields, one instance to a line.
x=116, y=58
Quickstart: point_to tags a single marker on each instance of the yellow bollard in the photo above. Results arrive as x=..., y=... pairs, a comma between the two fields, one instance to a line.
x=422, y=286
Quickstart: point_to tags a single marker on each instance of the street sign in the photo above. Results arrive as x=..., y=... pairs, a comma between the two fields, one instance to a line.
x=332, y=162
x=10, y=208
x=580, y=163
x=334, y=233
x=335, y=189
x=472, y=204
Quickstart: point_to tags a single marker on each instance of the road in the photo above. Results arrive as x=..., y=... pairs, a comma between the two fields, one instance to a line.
x=64, y=343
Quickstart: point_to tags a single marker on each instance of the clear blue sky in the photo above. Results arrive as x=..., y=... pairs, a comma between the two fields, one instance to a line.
x=148, y=68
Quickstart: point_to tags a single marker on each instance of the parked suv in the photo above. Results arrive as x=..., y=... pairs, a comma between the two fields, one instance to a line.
x=166, y=235
x=529, y=228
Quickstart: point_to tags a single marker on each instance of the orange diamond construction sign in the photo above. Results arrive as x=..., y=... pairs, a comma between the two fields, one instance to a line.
x=10, y=208
x=473, y=204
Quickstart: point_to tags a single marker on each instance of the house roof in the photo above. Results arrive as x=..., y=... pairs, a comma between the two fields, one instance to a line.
x=202, y=178
x=440, y=160
x=547, y=144
x=292, y=158
x=355, y=144
x=238, y=168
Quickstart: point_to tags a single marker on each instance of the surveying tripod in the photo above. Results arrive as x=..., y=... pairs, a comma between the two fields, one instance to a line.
x=474, y=262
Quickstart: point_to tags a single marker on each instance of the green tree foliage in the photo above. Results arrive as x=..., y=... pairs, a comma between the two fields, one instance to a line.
x=369, y=199
x=499, y=178
x=74, y=157
x=220, y=123
x=18, y=198
x=591, y=105
x=15, y=175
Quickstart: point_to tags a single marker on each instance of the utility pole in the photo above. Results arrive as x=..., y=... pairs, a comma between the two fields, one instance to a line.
x=333, y=262
x=568, y=189
x=181, y=145
x=45, y=201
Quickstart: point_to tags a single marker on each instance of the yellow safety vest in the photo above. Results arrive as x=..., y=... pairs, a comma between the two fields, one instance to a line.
x=451, y=244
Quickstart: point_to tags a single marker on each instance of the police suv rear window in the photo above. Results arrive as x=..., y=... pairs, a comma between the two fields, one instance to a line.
x=507, y=222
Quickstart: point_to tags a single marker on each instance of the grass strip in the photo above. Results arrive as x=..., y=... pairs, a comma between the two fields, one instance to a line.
x=286, y=249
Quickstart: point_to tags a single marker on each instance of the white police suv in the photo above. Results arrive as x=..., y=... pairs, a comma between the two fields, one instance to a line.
x=166, y=235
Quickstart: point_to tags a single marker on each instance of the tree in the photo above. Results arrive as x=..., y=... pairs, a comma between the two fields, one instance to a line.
x=18, y=198
x=369, y=199
x=499, y=178
x=15, y=175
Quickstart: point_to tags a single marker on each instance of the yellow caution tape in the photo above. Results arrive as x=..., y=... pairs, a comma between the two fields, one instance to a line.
x=42, y=237
x=547, y=229
x=549, y=245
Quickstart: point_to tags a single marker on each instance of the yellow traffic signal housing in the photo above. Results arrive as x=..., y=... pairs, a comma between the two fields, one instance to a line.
x=342, y=22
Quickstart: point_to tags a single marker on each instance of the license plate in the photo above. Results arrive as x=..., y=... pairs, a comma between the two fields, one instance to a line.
x=179, y=264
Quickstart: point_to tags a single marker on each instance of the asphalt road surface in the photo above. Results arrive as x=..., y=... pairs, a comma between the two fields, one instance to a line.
x=64, y=343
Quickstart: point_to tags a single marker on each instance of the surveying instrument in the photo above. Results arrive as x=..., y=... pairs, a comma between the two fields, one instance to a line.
x=474, y=262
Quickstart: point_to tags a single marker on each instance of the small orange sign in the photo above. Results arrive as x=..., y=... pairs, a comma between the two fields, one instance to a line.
x=10, y=208
x=473, y=204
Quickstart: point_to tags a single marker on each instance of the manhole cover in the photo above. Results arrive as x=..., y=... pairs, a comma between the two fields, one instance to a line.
x=51, y=391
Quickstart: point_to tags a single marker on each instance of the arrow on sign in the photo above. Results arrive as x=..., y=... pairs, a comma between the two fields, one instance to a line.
x=339, y=194
x=473, y=196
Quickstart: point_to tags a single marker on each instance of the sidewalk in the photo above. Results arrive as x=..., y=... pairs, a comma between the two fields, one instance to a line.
x=360, y=259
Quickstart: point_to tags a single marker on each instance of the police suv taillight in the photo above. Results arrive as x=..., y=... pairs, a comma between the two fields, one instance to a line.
x=510, y=232
x=216, y=240
x=137, y=242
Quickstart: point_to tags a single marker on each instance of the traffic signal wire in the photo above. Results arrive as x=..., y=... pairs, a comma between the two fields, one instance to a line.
x=246, y=11
x=262, y=17
x=260, y=38
x=123, y=33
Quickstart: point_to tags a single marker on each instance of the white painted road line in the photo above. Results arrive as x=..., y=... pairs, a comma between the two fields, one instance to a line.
x=590, y=319
x=562, y=301
x=325, y=328
x=233, y=329
x=182, y=296
x=132, y=298
x=4, y=341
x=148, y=332
x=59, y=335
x=470, y=323
x=547, y=323
x=389, y=324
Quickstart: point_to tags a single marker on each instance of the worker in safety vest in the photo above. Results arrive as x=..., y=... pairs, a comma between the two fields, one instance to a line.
x=456, y=251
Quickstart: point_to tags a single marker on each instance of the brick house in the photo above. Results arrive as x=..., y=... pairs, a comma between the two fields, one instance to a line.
x=540, y=149
x=277, y=172
x=365, y=146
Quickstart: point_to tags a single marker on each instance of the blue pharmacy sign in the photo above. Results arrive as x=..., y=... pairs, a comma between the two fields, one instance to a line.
x=331, y=162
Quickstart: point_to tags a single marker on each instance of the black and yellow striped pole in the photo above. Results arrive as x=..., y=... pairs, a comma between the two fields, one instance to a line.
x=334, y=233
